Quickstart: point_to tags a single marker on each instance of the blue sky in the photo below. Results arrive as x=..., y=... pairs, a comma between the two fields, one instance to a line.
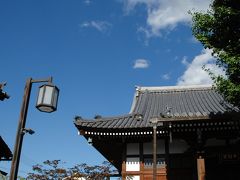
x=96, y=51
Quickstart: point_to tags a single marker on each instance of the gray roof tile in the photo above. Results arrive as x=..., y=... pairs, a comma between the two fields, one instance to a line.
x=183, y=102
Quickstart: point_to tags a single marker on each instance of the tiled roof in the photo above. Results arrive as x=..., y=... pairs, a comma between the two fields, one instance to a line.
x=5, y=152
x=168, y=103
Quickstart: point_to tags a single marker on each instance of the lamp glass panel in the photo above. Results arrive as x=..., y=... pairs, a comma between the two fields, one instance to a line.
x=48, y=95
x=55, y=98
x=40, y=95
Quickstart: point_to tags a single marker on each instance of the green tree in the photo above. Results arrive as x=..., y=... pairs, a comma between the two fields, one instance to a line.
x=51, y=170
x=219, y=30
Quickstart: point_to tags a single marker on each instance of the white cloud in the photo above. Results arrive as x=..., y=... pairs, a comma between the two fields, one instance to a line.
x=166, y=14
x=184, y=61
x=141, y=64
x=194, y=74
x=87, y=2
x=101, y=26
x=166, y=76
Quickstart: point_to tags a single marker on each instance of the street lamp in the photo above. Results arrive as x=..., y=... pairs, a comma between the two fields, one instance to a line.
x=47, y=98
x=47, y=102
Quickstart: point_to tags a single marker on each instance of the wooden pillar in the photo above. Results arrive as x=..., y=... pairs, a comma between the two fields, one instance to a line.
x=200, y=159
x=124, y=159
x=155, y=152
x=141, y=161
x=201, y=168
x=167, y=157
x=123, y=170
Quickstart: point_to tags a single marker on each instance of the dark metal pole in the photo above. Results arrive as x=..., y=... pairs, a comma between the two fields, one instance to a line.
x=155, y=151
x=21, y=125
x=20, y=133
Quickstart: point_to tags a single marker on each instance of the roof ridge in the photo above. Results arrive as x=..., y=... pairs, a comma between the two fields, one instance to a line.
x=174, y=88
x=104, y=119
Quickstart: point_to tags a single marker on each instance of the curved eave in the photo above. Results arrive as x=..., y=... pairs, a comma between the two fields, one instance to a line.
x=131, y=124
x=5, y=152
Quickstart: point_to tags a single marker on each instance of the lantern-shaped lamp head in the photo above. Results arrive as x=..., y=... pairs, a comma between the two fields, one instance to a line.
x=47, y=98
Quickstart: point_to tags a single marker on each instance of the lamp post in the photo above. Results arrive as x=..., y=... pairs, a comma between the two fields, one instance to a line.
x=47, y=102
x=156, y=122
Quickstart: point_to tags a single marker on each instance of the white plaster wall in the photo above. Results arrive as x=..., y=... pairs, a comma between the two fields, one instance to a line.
x=178, y=146
x=148, y=147
x=133, y=164
x=133, y=178
x=133, y=149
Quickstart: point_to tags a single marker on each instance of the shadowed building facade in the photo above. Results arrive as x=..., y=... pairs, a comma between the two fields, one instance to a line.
x=5, y=153
x=197, y=135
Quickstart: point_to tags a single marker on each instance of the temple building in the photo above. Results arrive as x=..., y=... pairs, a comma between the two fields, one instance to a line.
x=5, y=154
x=171, y=133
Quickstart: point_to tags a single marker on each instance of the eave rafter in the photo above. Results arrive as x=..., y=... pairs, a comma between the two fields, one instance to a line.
x=174, y=126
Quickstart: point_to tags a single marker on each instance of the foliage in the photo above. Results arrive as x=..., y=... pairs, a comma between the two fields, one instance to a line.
x=2, y=177
x=50, y=170
x=219, y=30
